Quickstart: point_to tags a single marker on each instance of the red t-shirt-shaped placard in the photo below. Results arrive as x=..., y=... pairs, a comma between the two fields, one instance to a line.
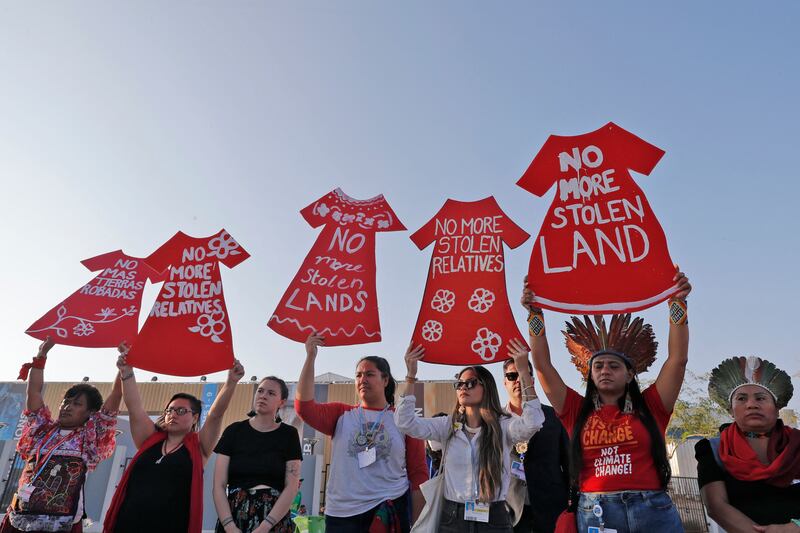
x=600, y=248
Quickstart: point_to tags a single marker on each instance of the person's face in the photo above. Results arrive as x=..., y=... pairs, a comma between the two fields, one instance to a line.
x=74, y=412
x=174, y=422
x=370, y=383
x=610, y=375
x=268, y=398
x=470, y=397
x=512, y=385
x=754, y=409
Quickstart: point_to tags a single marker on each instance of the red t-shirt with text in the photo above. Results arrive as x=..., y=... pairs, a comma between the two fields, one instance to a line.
x=616, y=446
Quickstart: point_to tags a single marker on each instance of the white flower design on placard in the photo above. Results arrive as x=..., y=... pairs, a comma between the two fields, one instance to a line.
x=83, y=329
x=223, y=245
x=486, y=344
x=443, y=300
x=481, y=300
x=211, y=325
x=322, y=209
x=432, y=331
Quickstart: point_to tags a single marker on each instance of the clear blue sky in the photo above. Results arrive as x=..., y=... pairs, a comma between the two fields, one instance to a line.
x=121, y=123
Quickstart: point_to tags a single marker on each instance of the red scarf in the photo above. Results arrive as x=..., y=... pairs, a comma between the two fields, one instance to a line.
x=192, y=443
x=783, y=453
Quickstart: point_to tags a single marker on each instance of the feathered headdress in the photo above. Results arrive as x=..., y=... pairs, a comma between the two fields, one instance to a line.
x=632, y=341
x=739, y=371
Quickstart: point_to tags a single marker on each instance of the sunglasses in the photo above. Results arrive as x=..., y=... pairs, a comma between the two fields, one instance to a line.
x=466, y=385
x=180, y=411
x=512, y=376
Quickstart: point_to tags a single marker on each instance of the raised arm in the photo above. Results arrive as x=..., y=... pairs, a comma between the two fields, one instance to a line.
x=670, y=378
x=522, y=428
x=34, y=400
x=212, y=427
x=554, y=387
x=141, y=425
x=414, y=355
x=114, y=398
x=305, y=385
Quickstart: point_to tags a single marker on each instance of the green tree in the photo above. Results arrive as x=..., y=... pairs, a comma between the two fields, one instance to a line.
x=695, y=414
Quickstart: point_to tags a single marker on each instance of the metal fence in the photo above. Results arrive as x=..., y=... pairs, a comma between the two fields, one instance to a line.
x=685, y=494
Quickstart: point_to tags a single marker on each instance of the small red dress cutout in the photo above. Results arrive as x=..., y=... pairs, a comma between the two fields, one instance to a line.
x=188, y=332
x=334, y=291
x=600, y=248
x=105, y=311
x=465, y=317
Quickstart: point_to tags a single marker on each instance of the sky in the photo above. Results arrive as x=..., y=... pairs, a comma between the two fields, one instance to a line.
x=122, y=123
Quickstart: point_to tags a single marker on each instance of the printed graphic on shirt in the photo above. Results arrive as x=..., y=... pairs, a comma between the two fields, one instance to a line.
x=105, y=311
x=465, y=316
x=614, y=440
x=334, y=291
x=600, y=247
x=382, y=441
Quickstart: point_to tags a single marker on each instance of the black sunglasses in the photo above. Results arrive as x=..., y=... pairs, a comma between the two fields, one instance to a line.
x=512, y=376
x=467, y=385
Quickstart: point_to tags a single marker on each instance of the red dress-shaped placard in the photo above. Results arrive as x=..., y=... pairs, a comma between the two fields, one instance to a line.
x=334, y=291
x=188, y=332
x=465, y=317
x=105, y=311
x=600, y=248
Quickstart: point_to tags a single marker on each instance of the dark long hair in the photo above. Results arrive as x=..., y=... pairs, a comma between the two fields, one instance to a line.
x=658, y=447
x=490, y=455
x=383, y=366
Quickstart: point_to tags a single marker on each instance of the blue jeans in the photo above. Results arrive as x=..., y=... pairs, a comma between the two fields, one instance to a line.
x=648, y=511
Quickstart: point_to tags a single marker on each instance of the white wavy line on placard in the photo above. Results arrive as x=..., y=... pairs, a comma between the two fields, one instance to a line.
x=323, y=331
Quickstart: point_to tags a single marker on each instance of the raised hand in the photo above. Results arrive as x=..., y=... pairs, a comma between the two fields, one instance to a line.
x=684, y=287
x=45, y=347
x=414, y=355
x=313, y=342
x=236, y=373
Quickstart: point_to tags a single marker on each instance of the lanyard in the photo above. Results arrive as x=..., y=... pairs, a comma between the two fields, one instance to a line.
x=370, y=436
x=49, y=454
x=475, y=467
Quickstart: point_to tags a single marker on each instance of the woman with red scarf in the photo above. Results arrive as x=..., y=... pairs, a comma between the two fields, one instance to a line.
x=750, y=475
x=162, y=487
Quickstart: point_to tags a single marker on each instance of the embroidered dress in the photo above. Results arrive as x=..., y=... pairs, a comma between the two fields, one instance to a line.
x=465, y=317
x=600, y=248
x=63, y=457
x=105, y=311
x=188, y=332
x=334, y=291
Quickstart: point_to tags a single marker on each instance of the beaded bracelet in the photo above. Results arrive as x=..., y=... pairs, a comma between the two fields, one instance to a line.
x=678, y=313
x=536, y=323
x=227, y=521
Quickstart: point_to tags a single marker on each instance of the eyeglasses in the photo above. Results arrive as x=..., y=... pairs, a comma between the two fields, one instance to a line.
x=512, y=376
x=180, y=411
x=467, y=385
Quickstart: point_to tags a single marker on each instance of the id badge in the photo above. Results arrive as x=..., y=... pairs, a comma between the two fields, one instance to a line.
x=25, y=492
x=476, y=511
x=595, y=529
x=518, y=470
x=366, y=457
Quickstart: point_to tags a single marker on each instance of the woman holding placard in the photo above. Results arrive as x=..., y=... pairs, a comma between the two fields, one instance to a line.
x=58, y=453
x=257, y=472
x=618, y=458
x=375, y=471
x=162, y=487
x=477, y=439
